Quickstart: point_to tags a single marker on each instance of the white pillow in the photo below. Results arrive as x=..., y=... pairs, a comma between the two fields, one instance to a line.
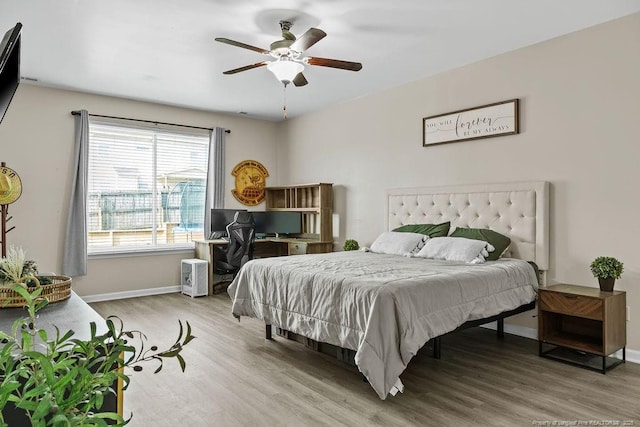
x=398, y=243
x=456, y=249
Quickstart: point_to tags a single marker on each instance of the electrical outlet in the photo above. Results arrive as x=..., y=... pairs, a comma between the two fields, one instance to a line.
x=628, y=314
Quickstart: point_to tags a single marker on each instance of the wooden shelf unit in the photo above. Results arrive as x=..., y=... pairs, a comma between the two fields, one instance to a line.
x=582, y=319
x=313, y=201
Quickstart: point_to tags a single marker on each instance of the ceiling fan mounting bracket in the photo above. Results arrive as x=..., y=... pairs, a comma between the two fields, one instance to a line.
x=281, y=48
x=285, y=25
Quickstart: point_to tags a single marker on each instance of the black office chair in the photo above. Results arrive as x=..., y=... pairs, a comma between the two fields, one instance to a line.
x=239, y=250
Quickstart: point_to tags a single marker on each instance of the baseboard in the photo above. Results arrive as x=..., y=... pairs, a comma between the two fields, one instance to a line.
x=131, y=294
x=522, y=331
x=633, y=356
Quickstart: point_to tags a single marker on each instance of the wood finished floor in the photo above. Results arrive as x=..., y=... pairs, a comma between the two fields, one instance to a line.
x=235, y=377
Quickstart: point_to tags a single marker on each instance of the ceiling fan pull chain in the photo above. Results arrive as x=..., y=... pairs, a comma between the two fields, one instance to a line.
x=284, y=106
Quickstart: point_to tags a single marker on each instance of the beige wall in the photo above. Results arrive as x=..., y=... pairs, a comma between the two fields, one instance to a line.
x=36, y=139
x=579, y=111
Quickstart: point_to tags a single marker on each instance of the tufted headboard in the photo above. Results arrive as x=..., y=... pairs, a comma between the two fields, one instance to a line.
x=519, y=210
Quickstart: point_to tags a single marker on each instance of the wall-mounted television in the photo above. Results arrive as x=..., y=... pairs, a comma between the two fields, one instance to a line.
x=9, y=67
x=278, y=222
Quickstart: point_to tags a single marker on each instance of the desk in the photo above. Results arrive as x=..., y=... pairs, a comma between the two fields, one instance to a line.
x=263, y=248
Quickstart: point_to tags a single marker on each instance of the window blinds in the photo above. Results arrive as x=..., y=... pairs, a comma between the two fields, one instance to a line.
x=146, y=186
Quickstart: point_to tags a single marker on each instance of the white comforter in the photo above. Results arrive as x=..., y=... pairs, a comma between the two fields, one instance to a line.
x=383, y=306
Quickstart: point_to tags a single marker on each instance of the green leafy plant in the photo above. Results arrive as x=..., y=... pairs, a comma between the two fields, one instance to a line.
x=351, y=245
x=59, y=380
x=606, y=267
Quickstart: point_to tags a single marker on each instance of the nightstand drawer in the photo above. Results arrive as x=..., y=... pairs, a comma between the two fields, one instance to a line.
x=297, y=248
x=575, y=305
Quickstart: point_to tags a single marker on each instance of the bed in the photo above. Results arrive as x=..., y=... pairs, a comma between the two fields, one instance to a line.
x=386, y=307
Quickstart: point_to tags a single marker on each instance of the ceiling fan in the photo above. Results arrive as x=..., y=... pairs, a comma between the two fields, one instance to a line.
x=289, y=63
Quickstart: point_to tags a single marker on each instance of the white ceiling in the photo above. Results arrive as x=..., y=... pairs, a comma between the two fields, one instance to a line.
x=164, y=50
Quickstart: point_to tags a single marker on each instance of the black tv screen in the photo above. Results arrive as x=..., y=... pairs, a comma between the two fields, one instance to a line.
x=9, y=67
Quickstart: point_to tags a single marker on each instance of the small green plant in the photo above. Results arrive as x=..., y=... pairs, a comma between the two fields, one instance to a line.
x=606, y=267
x=58, y=380
x=351, y=245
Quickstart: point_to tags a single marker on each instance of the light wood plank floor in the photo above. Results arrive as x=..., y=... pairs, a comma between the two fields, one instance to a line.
x=235, y=377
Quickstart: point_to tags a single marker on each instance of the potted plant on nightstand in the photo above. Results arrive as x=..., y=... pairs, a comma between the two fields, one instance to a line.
x=607, y=270
x=351, y=245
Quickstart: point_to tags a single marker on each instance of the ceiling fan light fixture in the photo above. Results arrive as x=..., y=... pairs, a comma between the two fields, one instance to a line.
x=285, y=70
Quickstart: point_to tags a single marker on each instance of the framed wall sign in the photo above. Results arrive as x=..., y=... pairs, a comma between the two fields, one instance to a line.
x=497, y=119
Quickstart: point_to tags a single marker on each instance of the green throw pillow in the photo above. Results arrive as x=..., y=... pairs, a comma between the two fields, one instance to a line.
x=497, y=240
x=431, y=230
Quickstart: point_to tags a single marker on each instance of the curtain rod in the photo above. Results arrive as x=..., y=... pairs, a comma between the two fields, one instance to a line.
x=77, y=113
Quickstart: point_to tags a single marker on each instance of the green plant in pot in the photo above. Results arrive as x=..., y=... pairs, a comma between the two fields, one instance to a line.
x=351, y=245
x=607, y=269
x=54, y=379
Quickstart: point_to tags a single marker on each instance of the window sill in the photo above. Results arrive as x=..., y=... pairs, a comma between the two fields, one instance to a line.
x=133, y=252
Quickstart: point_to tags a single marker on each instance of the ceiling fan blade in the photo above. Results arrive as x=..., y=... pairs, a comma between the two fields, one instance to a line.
x=242, y=45
x=308, y=39
x=247, y=67
x=300, y=80
x=334, y=63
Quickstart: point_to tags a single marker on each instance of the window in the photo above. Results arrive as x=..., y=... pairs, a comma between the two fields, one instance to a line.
x=146, y=187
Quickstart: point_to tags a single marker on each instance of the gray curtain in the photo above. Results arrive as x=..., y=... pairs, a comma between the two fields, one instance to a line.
x=214, y=197
x=74, y=261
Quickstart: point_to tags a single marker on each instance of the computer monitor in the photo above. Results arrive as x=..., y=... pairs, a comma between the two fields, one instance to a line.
x=278, y=222
x=220, y=218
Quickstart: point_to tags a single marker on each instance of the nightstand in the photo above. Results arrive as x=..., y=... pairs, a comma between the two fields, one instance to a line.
x=583, y=325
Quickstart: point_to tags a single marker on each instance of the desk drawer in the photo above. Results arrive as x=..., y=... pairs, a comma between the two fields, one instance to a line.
x=264, y=249
x=575, y=305
x=297, y=248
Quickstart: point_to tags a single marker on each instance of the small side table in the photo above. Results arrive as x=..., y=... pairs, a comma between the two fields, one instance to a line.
x=583, y=319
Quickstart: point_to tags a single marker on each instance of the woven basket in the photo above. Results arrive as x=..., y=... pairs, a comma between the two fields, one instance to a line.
x=58, y=290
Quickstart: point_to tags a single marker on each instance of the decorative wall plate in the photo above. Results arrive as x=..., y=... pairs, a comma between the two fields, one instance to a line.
x=251, y=177
x=10, y=186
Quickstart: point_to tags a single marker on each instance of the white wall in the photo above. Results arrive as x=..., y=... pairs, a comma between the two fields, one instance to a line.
x=579, y=114
x=37, y=139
